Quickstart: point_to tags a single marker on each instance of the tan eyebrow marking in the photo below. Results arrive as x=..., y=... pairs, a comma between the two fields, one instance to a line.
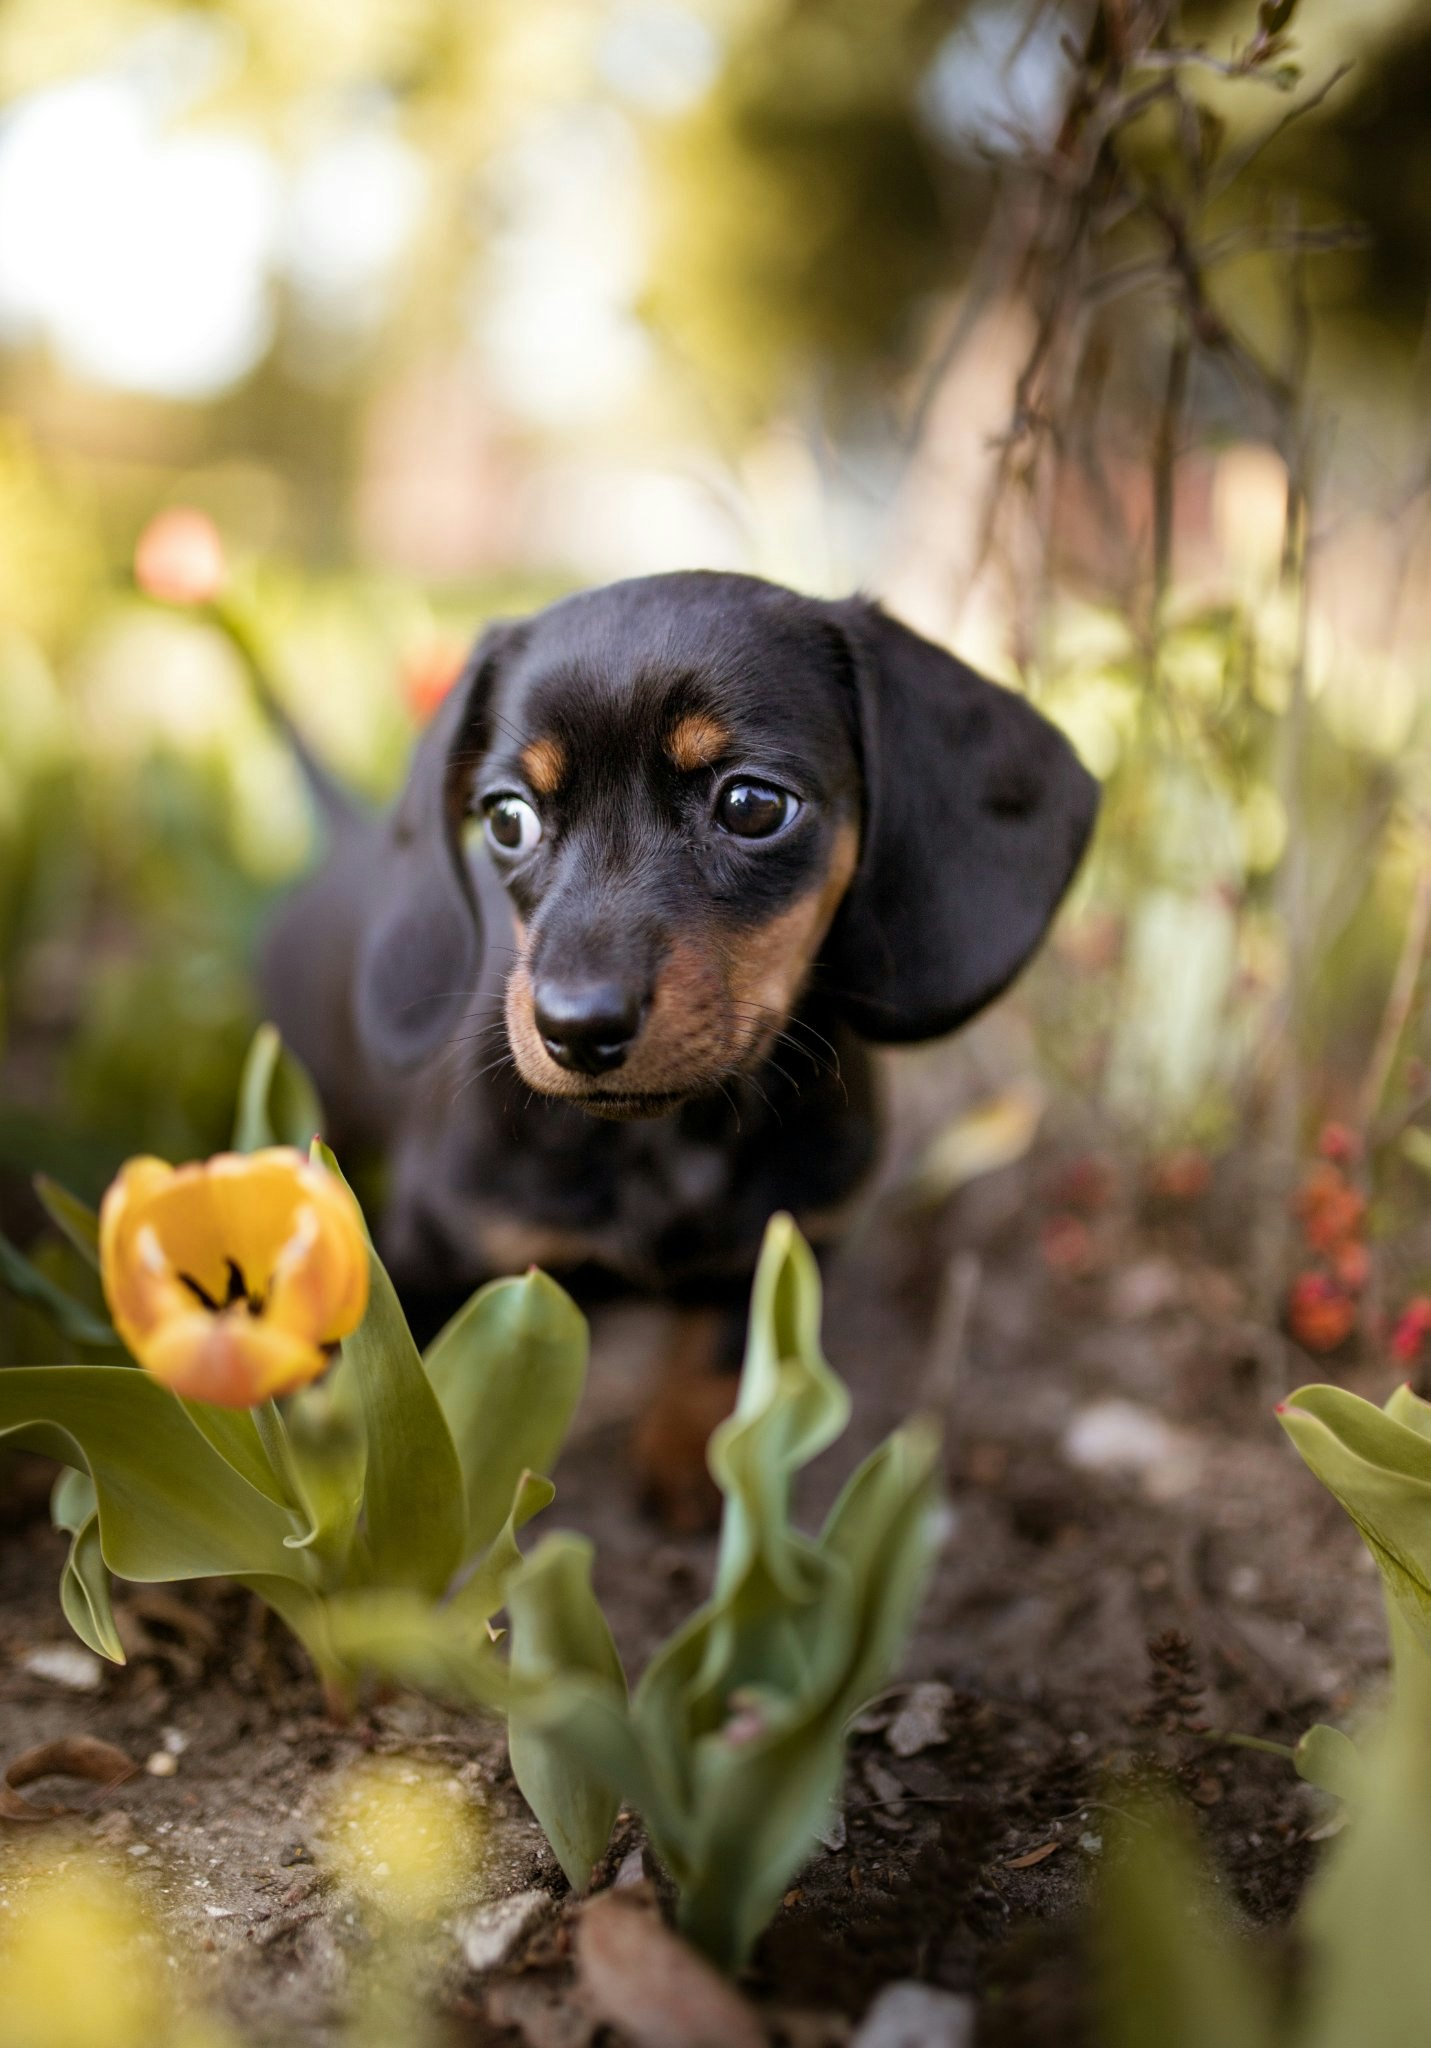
x=695, y=741
x=544, y=765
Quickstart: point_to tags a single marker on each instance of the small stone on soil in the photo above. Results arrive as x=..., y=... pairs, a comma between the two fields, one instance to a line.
x=919, y=1724
x=917, y=2016
x=66, y=1664
x=491, y=1933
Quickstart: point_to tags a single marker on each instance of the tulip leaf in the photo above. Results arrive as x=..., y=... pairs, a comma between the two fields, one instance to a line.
x=508, y=1370
x=733, y=1744
x=416, y=1641
x=234, y=1435
x=328, y=1457
x=415, y=1514
x=559, y=1634
x=84, y=1584
x=170, y=1506
x=1368, y=1977
x=1331, y=1761
x=1379, y=1468
x=277, y=1102
x=70, y=1317
x=480, y=1596
x=78, y=1222
x=1172, y=1968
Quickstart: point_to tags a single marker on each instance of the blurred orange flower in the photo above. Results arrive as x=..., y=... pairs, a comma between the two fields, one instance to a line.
x=1319, y=1314
x=1412, y=1329
x=1181, y=1176
x=428, y=673
x=1351, y=1262
x=230, y=1279
x=180, y=558
x=1067, y=1245
x=1331, y=1212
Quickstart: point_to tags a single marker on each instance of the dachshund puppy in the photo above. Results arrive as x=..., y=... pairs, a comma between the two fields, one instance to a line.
x=671, y=856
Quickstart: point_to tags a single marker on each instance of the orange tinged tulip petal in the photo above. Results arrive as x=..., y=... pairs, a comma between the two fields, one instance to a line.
x=231, y=1279
x=180, y=558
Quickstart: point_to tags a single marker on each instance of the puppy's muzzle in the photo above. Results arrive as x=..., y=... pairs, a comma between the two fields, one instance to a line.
x=588, y=1027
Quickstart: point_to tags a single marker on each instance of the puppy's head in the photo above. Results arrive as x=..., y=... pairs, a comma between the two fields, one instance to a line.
x=700, y=791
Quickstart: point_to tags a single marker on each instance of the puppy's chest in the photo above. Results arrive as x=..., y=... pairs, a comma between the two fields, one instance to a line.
x=655, y=1203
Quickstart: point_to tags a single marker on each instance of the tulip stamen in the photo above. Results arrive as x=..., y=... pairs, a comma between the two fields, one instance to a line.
x=238, y=1291
x=199, y=1291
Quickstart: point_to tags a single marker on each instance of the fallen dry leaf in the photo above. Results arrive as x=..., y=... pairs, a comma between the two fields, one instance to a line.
x=72, y=1756
x=1032, y=1856
x=642, y=1978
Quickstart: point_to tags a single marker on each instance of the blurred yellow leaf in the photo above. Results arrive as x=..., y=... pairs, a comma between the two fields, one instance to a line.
x=995, y=1133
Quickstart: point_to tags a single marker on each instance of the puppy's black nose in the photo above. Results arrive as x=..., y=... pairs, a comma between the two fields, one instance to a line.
x=587, y=1026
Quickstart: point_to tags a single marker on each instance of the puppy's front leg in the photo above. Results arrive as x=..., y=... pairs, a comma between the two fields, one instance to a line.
x=693, y=1388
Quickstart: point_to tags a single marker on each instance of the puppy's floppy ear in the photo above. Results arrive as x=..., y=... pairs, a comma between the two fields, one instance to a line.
x=419, y=956
x=977, y=813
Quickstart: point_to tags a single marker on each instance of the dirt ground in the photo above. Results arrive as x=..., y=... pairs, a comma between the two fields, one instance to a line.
x=1135, y=1556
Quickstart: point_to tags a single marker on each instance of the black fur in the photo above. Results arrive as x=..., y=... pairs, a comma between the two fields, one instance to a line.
x=385, y=972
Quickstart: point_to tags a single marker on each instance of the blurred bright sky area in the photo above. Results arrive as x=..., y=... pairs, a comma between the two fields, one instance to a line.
x=147, y=247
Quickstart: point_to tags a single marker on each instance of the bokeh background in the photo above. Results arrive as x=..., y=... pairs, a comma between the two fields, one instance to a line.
x=1092, y=340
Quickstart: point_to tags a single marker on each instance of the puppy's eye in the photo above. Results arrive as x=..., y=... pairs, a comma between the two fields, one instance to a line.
x=754, y=810
x=513, y=827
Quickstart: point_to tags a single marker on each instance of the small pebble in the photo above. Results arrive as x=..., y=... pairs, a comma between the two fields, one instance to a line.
x=917, y=2016
x=162, y=1764
x=488, y=1936
x=66, y=1664
x=919, y=1724
x=836, y=1834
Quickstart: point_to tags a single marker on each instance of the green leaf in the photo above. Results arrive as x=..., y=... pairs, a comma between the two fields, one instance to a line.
x=414, y=1641
x=559, y=1634
x=416, y=1515
x=328, y=1454
x=70, y=1317
x=1173, y=1971
x=509, y=1371
x=789, y=1408
x=480, y=1596
x=885, y=1528
x=1331, y=1761
x=733, y=1746
x=1379, y=1468
x=84, y=1583
x=170, y=1507
x=74, y=1218
x=1368, y=1965
x=234, y=1435
x=277, y=1102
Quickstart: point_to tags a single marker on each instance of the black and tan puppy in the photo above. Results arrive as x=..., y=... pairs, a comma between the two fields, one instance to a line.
x=671, y=855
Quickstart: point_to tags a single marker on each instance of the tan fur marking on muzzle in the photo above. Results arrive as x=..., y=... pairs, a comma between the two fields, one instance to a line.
x=718, y=1003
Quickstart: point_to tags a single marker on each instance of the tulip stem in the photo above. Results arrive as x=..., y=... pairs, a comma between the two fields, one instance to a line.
x=273, y=1435
x=1259, y=1742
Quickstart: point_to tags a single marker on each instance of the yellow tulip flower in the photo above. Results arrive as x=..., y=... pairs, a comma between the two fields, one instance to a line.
x=231, y=1279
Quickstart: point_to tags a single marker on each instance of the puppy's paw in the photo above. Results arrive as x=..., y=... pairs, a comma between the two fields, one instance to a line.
x=668, y=1451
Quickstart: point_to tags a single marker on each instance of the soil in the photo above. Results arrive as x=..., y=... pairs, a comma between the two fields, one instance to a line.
x=1136, y=1561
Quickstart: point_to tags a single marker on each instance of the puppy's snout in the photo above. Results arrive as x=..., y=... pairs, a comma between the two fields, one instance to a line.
x=588, y=1027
